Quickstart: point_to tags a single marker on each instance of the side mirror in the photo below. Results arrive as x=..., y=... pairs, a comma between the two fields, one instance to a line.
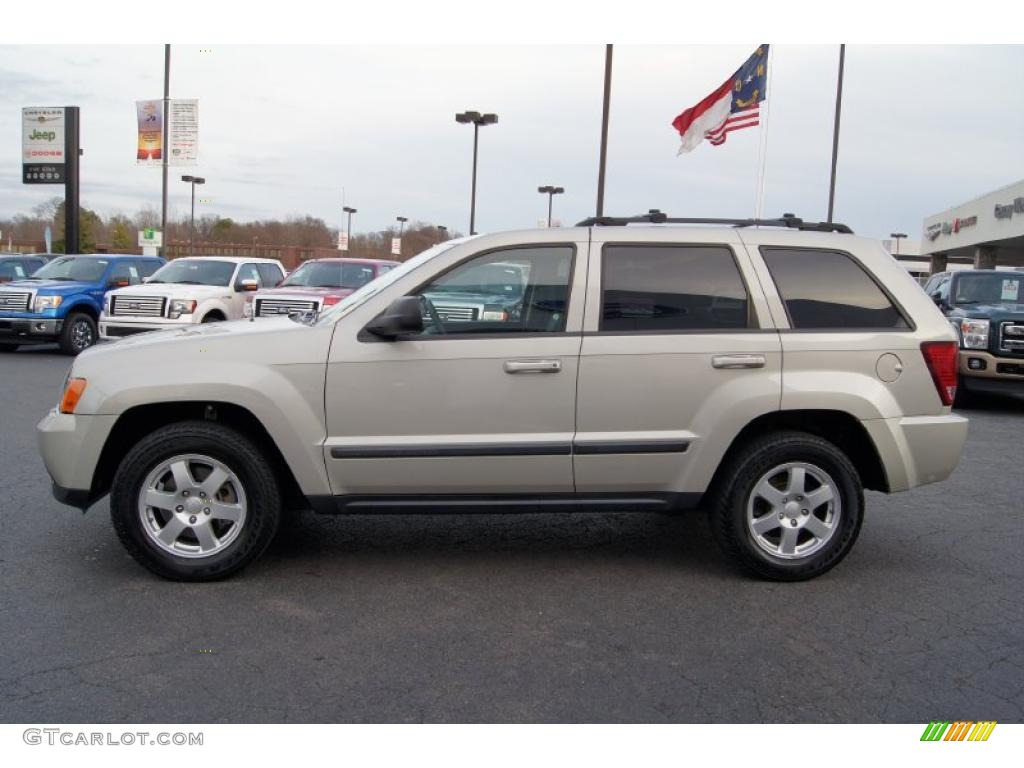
x=937, y=298
x=403, y=317
x=247, y=285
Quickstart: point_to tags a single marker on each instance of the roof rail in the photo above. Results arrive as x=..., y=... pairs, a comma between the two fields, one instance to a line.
x=654, y=216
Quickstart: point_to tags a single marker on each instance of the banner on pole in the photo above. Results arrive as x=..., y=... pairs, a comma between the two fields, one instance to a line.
x=342, y=241
x=150, y=115
x=183, y=132
x=42, y=145
x=396, y=246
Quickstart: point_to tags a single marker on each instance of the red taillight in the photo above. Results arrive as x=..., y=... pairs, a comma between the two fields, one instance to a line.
x=941, y=358
x=330, y=301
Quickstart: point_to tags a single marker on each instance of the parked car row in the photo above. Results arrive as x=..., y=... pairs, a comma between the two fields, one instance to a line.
x=77, y=299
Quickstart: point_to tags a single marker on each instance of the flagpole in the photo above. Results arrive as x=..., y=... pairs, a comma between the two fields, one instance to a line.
x=763, y=144
x=835, y=133
x=604, y=127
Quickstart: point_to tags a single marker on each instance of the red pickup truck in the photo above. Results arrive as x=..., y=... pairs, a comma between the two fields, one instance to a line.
x=316, y=284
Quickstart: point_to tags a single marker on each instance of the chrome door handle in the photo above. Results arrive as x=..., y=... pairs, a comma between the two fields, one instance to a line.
x=533, y=366
x=738, y=361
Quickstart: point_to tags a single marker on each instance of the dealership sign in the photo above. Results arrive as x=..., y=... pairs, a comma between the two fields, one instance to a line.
x=950, y=227
x=42, y=145
x=1007, y=211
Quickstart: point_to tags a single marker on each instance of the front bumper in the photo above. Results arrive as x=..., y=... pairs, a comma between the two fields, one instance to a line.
x=70, y=445
x=24, y=330
x=983, y=372
x=917, y=450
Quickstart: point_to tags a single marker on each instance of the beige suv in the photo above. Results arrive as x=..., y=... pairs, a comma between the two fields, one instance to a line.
x=768, y=371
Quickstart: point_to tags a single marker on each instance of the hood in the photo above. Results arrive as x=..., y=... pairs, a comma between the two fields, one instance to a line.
x=174, y=291
x=994, y=312
x=301, y=290
x=49, y=287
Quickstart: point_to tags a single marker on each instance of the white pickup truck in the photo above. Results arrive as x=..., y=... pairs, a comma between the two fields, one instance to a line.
x=198, y=289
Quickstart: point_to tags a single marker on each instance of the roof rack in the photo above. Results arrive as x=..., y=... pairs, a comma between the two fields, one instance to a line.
x=654, y=216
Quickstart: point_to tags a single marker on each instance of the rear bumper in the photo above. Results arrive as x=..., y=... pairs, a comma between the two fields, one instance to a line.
x=24, y=330
x=917, y=450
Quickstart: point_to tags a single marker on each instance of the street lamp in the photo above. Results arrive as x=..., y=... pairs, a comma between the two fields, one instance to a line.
x=401, y=225
x=348, y=226
x=897, y=236
x=443, y=230
x=193, y=180
x=477, y=120
x=550, y=192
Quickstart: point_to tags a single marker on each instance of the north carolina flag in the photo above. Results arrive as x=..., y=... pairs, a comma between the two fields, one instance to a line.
x=735, y=105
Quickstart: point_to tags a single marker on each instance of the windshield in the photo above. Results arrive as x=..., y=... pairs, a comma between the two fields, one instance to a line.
x=326, y=274
x=353, y=300
x=81, y=268
x=995, y=288
x=195, y=272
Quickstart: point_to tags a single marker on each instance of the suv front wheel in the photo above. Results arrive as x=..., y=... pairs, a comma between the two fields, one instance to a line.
x=195, y=501
x=790, y=507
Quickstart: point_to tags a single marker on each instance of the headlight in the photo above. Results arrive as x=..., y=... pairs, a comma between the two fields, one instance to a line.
x=43, y=303
x=181, y=307
x=491, y=313
x=247, y=309
x=106, y=304
x=974, y=333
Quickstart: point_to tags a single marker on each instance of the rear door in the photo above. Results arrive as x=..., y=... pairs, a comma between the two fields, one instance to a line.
x=678, y=354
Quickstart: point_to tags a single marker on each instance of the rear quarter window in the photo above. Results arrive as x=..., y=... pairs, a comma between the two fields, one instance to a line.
x=829, y=290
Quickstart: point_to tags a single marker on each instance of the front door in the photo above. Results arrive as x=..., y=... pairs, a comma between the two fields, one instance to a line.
x=483, y=401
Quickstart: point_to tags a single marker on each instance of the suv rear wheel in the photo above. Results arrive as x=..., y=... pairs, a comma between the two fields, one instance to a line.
x=195, y=501
x=790, y=507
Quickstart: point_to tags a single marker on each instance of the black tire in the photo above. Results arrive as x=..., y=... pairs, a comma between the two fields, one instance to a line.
x=78, y=334
x=236, y=452
x=8, y=348
x=729, y=506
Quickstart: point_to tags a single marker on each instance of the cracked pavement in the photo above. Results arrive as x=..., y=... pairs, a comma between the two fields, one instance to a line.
x=574, y=618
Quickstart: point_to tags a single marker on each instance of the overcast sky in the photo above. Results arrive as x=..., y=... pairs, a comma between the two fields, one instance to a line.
x=284, y=129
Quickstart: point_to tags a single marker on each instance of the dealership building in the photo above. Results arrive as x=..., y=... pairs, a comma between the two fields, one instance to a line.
x=987, y=232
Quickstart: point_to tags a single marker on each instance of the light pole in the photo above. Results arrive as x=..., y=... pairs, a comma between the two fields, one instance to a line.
x=477, y=120
x=443, y=231
x=550, y=192
x=348, y=226
x=897, y=236
x=193, y=180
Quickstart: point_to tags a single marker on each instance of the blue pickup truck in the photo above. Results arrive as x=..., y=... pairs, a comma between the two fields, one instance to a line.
x=62, y=301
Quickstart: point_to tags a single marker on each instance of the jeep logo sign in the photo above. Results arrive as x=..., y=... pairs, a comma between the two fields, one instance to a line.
x=42, y=145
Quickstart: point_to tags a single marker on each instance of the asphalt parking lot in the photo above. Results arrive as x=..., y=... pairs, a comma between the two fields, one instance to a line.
x=583, y=617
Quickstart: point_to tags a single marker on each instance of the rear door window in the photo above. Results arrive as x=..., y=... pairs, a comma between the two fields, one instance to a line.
x=664, y=288
x=828, y=290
